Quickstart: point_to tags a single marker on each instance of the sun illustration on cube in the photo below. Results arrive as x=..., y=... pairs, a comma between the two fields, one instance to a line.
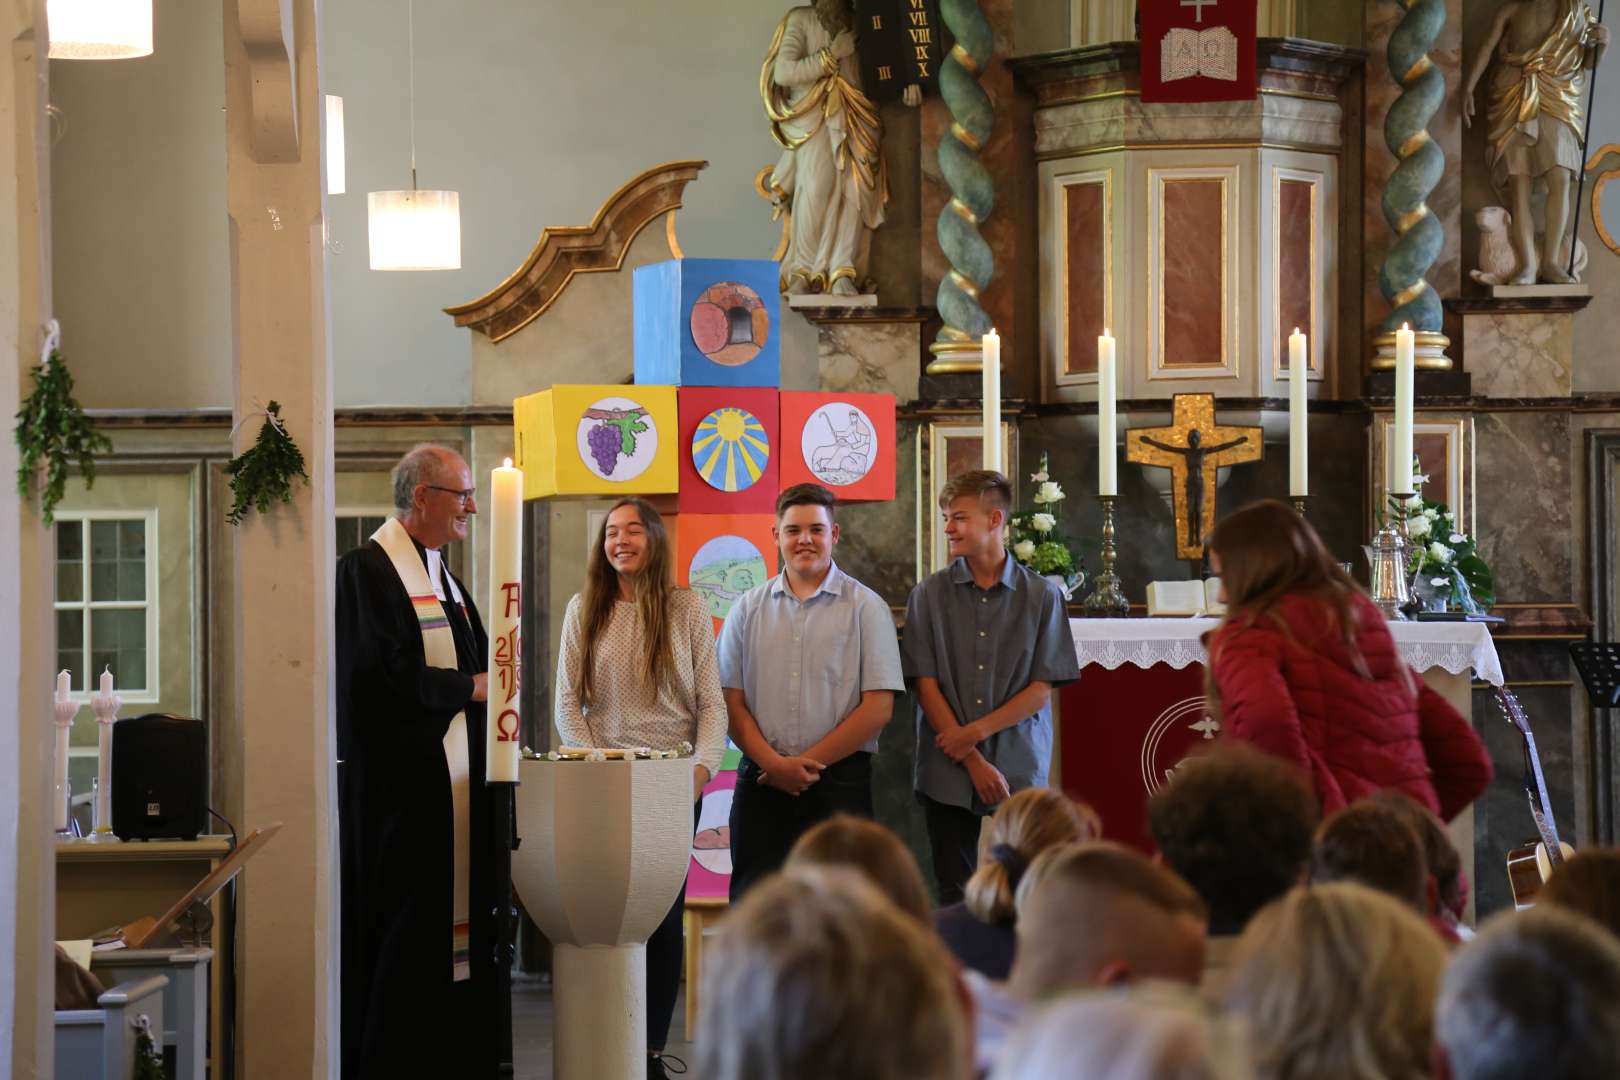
x=730, y=449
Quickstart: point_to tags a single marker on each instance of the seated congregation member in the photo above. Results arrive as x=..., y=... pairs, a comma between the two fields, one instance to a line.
x=1447, y=885
x=637, y=668
x=979, y=929
x=1149, y=1031
x=1236, y=824
x=1536, y=994
x=872, y=851
x=986, y=640
x=1372, y=845
x=1337, y=982
x=810, y=666
x=1095, y=914
x=1588, y=883
x=814, y=974
x=1303, y=666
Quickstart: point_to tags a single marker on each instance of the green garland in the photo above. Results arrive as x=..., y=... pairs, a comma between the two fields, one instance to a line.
x=262, y=475
x=52, y=430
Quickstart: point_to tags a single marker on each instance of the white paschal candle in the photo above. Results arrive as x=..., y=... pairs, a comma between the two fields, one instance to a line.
x=1298, y=447
x=1405, y=364
x=105, y=705
x=503, y=745
x=63, y=707
x=1107, y=437
x=992, y=400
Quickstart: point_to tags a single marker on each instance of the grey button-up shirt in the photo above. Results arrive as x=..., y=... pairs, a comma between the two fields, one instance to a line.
x=802, y=665
x=984, y=646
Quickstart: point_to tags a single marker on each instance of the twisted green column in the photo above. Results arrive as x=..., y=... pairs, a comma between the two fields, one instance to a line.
x=972, y=191
x=1419, y=235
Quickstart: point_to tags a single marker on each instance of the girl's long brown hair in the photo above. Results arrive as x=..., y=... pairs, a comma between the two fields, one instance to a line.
x=1267, y=551
x=653, y=586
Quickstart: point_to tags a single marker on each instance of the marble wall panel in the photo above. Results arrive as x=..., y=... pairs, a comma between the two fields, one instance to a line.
x=1084, y=273
x=1113, y=121
x=1296, y=276
x=861, y=356
x=1517, y=355
x=1192, y=239
x=1523, y=510
x=878, y=541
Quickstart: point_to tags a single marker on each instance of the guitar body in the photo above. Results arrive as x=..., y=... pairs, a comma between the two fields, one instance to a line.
x=1531, y=865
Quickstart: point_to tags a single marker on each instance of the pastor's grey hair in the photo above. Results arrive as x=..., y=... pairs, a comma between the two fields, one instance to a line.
x=1536, y=994
x=423, y=464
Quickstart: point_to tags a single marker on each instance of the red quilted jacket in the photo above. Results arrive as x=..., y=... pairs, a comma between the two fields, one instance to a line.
x=1298, y=694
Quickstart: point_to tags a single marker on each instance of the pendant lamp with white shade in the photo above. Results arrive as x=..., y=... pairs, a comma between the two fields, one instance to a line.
x=415, y=229
x=99, y=29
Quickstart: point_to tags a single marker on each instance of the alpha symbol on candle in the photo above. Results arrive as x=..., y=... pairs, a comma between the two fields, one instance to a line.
x=506, y=663
x=513, y=591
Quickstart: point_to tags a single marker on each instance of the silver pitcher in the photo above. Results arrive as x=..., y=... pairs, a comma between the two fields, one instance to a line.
x=1386, y=556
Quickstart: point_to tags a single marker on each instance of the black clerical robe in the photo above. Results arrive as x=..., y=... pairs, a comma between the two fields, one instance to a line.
x=401, y=1013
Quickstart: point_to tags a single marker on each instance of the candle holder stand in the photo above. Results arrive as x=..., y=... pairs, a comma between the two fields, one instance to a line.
x=1299, y=502
x=1106, y=600
x=63, y=709
x=105, y=705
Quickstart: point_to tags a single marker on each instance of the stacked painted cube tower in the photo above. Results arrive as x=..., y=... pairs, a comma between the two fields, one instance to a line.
x=707, y=423
x=707, y=428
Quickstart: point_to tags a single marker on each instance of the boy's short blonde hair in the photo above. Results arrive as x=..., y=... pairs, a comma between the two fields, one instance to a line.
x=816, y=974
x=985, y=484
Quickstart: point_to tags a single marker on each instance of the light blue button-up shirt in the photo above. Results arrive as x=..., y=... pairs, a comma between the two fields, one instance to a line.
x=802, y=665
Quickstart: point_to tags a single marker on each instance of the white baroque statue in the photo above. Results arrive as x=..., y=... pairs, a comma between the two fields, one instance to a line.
x=831, y=176
x=1543, y=49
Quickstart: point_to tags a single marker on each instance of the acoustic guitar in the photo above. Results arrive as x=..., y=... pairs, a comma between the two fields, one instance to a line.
x=1530, y=865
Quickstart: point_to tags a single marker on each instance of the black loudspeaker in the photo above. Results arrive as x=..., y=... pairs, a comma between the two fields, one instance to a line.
x=159, y=778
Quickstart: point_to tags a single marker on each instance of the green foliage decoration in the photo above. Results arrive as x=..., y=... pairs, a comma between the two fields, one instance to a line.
x=54, y=435
x=262, y=475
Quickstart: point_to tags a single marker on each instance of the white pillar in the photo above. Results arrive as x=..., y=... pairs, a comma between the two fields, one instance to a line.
x=284, y=560
x=27, y=636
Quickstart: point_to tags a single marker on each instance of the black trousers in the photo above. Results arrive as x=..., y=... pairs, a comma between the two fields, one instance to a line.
x=953, y=837
x=766, y=822
x=666, y=952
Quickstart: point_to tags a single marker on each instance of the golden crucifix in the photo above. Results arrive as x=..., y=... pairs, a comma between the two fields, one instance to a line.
x=1193, y=447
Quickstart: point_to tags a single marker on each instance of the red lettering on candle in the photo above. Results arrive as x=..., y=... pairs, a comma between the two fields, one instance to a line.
x=506, y=726
x=513, y=591
x=506, y=663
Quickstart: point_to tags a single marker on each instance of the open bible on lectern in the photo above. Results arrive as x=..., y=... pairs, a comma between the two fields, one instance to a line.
x=146, y=931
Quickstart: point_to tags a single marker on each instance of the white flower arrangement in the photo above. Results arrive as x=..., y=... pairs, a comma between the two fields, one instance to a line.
x=1049, y=492
x=1024, y=550
x=1036, y=538
x=1449, y=568
x=1043, y=523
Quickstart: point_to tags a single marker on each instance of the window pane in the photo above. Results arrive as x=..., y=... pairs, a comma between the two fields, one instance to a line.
x=348, y=529
x=369, y=525
x=118, y=641
x=70, y=560
x=104, y=560
x=132, y=560
x=70, y=643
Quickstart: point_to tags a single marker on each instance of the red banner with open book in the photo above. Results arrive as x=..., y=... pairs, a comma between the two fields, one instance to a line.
x=1197, y=50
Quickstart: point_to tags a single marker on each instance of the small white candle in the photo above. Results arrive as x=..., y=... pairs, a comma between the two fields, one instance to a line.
x=503, y=732
x=1107, y=436
x=63, y=708
x=1298, y=383
x=1405, y=365
x=991, y=344
x=105, y=705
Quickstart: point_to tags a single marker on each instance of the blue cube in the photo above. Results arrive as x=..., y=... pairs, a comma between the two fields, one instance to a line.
x=708, y=322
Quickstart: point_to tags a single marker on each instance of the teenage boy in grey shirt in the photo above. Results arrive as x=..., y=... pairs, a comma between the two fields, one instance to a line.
x=986, y=639
x=809, y=667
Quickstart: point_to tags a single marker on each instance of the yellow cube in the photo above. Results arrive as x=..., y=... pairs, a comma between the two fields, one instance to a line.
x=597, y=440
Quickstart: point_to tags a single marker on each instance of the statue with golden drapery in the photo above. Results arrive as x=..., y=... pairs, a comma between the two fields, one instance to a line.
x=1543, y=49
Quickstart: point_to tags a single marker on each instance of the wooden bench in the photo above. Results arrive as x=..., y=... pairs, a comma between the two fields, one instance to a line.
x=99, y=1044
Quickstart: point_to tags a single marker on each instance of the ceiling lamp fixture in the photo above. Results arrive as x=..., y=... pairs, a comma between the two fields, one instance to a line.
x=99, y=29
x=414, y=230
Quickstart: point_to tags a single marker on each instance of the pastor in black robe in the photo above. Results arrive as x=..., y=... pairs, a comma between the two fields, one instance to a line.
x=402, y=1015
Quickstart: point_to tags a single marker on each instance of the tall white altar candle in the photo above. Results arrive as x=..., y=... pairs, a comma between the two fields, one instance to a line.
x=1405, y=364
x=1107, y=436
x=503, y=736
x=1298, y=383
x=63, y=708
x=105, y=705
x=992, y=400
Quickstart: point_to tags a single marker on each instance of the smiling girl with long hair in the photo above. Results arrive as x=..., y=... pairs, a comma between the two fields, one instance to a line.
x=638, y=669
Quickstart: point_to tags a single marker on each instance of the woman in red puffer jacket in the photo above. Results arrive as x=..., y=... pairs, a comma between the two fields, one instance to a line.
x=1303, y=666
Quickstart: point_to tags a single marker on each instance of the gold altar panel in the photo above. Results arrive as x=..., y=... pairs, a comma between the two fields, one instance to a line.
x=1444, y=445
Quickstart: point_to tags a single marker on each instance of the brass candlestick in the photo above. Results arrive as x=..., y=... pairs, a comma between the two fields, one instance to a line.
x=1299, y=504
x=1106, y=600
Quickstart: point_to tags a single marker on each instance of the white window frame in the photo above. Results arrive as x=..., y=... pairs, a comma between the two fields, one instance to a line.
x=153, y=692
x=384, y=512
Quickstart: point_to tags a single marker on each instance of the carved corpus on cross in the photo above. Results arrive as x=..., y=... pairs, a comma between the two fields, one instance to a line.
x=1193, y=447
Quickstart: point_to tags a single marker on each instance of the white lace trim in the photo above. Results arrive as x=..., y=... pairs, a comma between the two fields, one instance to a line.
x=1112, y=643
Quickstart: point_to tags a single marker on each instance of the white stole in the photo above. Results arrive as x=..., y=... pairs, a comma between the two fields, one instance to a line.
x=439, y=643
